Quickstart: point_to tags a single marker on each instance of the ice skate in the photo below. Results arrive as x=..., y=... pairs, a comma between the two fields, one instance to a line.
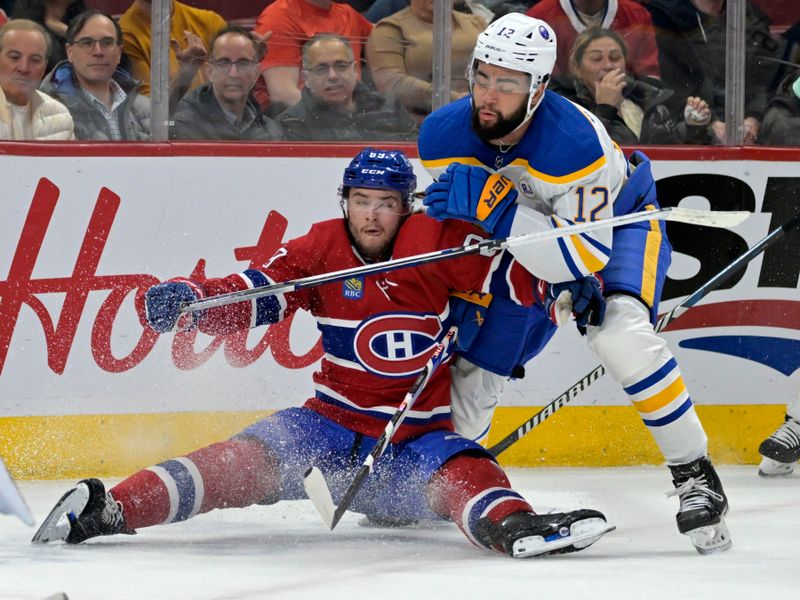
x=525, y=534
x=11, y=501
x=84, y=512
x=703, y=505
x=780, y=451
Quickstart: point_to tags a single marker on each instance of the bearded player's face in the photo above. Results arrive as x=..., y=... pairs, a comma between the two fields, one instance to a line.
x=499, y=100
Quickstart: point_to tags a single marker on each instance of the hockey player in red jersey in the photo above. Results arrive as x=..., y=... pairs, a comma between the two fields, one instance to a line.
x=378, y=332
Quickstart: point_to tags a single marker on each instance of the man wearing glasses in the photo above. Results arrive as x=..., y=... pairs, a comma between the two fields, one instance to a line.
x=224, y=108
x=103, y=99
x=335, y=105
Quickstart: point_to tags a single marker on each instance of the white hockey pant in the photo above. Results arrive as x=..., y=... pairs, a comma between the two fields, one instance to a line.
x=639, y=360
x=793, y=407
x=474, y=394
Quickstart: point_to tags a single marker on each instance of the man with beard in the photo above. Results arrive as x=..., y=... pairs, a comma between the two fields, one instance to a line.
x=565, y=169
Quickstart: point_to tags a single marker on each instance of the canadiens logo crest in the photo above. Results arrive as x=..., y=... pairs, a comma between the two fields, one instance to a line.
x=353, y=288
x=396, y=345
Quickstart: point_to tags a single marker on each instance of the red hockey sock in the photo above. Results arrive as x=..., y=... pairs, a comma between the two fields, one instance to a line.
x=468, y=487
x=228, y=474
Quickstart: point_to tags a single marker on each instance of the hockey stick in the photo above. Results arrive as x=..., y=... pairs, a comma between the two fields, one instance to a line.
x=682, y=215
x=588, y=379
x=314, y=482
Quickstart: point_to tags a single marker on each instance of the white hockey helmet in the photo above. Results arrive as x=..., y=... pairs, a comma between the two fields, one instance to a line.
x=518, y=42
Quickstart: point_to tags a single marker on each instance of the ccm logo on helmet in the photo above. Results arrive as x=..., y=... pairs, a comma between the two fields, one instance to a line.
x=373, y=171
x=396, y=345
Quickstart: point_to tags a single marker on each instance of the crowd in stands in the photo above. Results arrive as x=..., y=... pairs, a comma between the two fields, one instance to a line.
x=653, y=71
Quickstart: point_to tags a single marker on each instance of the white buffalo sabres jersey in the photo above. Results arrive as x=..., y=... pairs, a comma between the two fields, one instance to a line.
x=566, y=169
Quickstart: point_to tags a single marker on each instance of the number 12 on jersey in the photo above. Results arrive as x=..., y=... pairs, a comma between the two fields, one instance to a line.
x=597, y=198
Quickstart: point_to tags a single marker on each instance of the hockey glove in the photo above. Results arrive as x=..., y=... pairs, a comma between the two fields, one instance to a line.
x=468, y=311
x=160, y=306
x=471, y=193
x=583, y=299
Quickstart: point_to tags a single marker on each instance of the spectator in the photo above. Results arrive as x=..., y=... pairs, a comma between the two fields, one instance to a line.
x=781, y=125
x=292, y=23
x=224, y=108
x=381, y=9
x=54, y=16
x=191, y=30
x=103, y=99
x=633, y=109
x=25, y=112
x=400, y=54
x=335, y=106
x=628, y=18
x=691, y=50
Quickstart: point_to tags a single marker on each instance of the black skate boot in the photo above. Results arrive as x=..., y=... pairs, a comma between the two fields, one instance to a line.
x=84, y=512
x=781, y=450
x=524, y=534
x=703, y=505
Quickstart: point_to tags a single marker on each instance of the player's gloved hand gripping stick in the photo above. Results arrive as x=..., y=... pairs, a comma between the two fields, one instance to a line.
x=314, y=481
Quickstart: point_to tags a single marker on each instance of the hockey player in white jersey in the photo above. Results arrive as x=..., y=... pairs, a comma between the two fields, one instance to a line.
x=516, y=158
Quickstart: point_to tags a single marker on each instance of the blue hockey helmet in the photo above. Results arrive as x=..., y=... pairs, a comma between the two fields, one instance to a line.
x=382, y=170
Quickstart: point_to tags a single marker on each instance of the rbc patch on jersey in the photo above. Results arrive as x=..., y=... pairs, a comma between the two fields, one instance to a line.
x=353, y=288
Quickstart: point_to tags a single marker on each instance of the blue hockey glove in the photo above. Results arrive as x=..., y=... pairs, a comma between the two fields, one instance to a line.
x=583, y=299
x=468, y=311
x=161, y=304
x=471, y=193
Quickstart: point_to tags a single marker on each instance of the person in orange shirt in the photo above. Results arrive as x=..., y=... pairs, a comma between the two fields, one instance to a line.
x=292, y=23
x=191, y=29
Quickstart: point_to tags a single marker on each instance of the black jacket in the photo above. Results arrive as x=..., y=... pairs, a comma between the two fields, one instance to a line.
x=199, y=116
x=662, y=123
x=691, y=53
x=781, y=123
x=374, y=118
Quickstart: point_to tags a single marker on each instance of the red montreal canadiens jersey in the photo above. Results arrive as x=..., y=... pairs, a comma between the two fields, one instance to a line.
x=377, y=331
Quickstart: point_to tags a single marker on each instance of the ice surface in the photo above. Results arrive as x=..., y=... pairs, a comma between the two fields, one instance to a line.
x=283, y=551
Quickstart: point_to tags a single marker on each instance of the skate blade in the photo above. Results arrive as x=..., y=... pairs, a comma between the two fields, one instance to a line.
x=712, y=538
x=772, y=468
x=581, y=535
x=55, y=526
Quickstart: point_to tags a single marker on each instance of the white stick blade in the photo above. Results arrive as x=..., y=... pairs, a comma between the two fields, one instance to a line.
x=319, y=494
x=709, y=218
x=11, y=501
